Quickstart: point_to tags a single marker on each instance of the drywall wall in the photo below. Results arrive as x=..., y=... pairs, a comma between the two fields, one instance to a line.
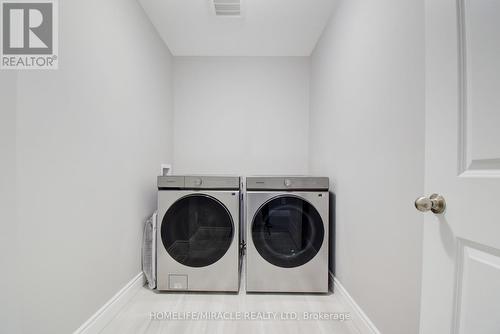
x=367, y=134
x=241, y=115
x=8, y=233
x=90, y=140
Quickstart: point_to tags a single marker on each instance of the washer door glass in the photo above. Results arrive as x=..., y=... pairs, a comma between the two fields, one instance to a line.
x=197, y=230
x=287, y=231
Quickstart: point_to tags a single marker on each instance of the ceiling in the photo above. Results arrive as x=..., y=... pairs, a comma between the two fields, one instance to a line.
x=265, y=27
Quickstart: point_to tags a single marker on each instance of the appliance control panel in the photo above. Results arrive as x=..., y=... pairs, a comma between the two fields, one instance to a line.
x=287, y=183
x=198, y=182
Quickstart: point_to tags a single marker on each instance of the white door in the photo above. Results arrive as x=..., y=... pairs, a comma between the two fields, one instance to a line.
x=461, y=268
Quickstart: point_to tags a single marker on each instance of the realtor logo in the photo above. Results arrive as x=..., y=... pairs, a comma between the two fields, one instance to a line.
x=29, y=34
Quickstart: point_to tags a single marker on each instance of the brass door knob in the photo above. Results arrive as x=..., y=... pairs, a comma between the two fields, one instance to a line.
x=434, y=203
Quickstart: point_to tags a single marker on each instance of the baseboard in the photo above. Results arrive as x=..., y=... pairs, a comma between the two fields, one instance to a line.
x=360, y=320
x=108, y=311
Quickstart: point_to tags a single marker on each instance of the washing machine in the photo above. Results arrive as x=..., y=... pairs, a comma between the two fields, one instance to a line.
x=287, y=234
x=198, y=233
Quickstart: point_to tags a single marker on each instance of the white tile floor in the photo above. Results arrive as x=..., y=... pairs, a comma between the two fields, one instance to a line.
x=135, y=317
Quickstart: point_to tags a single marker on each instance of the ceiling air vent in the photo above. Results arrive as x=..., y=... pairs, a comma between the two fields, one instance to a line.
x=227, y=7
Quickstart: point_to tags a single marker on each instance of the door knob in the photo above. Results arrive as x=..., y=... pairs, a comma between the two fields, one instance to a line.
x=434, y=203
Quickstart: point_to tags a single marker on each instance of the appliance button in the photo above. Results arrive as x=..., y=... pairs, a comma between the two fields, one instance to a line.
x=288, y=183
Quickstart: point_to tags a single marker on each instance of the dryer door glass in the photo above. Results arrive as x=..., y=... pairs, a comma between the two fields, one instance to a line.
x=197, y=230
x=287, y=231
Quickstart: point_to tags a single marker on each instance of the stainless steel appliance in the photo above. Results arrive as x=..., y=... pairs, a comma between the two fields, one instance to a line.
x=198, y=233
x=287, y=234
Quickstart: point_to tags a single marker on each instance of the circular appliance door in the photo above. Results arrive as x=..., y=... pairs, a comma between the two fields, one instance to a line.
x=197, y=230
x=287, y=231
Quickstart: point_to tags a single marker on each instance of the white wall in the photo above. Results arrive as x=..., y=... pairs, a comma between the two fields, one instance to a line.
x=8, y=233
x=367, y=134
x=241, y=115
x=90, y=140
